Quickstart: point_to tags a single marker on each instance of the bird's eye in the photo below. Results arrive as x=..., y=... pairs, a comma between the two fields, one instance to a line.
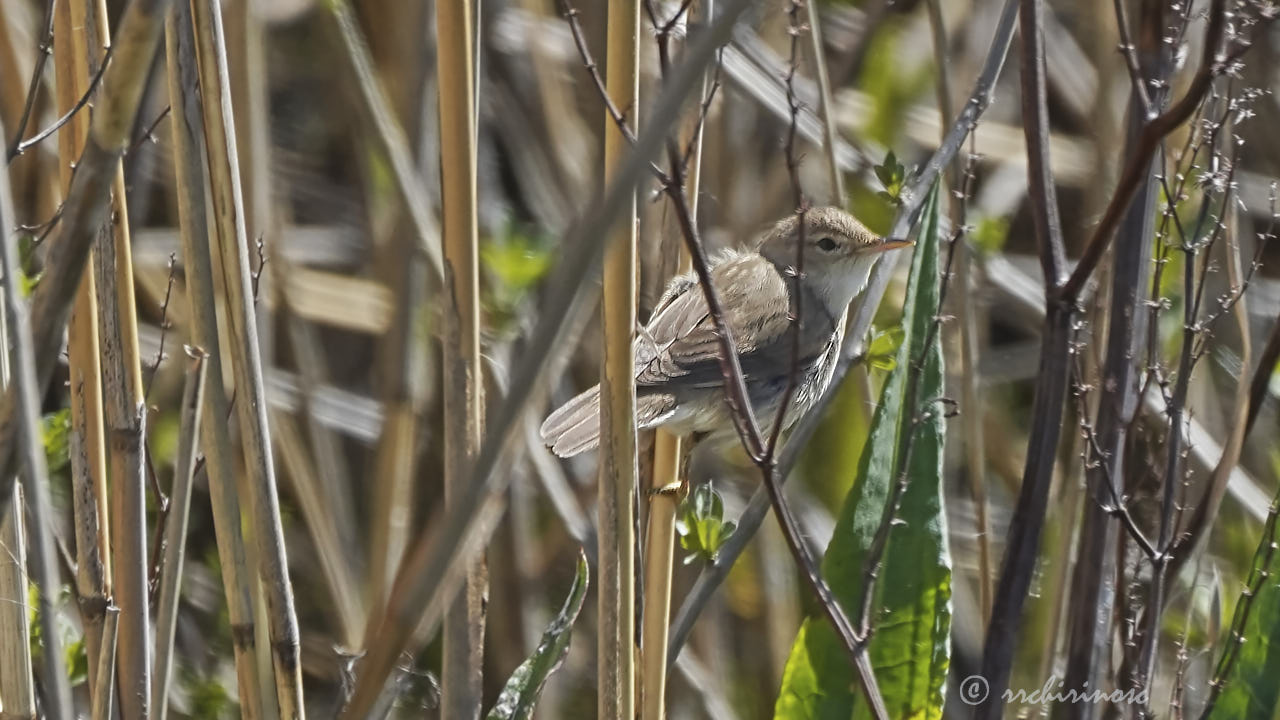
x=826, y=244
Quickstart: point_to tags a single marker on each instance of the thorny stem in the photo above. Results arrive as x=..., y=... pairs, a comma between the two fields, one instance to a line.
x=148, y=135
x=1212, y=64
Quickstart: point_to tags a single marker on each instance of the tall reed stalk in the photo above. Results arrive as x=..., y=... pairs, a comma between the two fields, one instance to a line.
x=122, y=395
x=463, y=392
x=175, y=544
x=88, y=444
x=619, y=474
x=246, y=358
x=16, y=687
x=188, y=139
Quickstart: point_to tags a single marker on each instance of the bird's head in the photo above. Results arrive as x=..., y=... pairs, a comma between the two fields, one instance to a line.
x=839, y=252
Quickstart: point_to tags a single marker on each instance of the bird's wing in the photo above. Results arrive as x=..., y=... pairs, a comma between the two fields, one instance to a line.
x=680, y=347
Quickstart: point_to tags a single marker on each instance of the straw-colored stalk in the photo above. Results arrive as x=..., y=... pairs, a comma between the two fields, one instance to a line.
x=618, y=468
x=126, y=419
x=246, y=360
x=88, y=458
x=16, y=688
x=188, y=134
x=100, y=705
x=25, y=388
x=664, y=500
x=463, y=390
x=175, y=532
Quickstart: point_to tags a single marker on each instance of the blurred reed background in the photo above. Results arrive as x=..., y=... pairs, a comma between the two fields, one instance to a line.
x=282, y=216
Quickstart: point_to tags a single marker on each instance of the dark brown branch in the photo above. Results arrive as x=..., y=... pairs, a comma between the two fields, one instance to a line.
x=1022, y=547
x=801, y=206
x=1130, y=53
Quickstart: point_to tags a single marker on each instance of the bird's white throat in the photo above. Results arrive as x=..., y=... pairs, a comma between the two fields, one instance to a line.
x=839, y=284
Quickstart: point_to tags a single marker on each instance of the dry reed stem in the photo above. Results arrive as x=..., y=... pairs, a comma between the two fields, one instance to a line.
x=16, y=677
x=246, y=359
x=220, y=463
x=462, y=689
x=88, y=459
x=176, y=528
x=619, y=476
x=101, y=703
x=126, y=419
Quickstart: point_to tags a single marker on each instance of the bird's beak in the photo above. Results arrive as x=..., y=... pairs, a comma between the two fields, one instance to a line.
x=891, y=244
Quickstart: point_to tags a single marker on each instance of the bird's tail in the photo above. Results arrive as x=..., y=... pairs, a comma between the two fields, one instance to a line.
x=574, y=427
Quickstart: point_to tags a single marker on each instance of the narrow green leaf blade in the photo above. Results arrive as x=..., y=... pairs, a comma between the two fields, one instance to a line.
x=524, y=687
x=910, y=649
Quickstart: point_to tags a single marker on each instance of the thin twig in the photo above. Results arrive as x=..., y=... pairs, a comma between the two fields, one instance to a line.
x=1212, y=64
x=148, y=135
x=39, y=137
x=37, y=74
x=176, y=532
x=1130, y=53
x=164, y=326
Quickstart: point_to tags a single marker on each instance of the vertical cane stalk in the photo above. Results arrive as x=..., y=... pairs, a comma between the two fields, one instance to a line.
x=618, y=467
x=176, y=529
x=463, y=393
x=246, y=359
x=15, y=633
x=88, y=456
x=101, y=705
x=122, y=394
x=188, y=136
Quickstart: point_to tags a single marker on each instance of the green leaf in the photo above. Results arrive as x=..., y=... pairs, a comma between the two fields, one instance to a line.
x=882, y=352
x=1251, y=691
x=891, y=175
x=56, y=434
x=702, y=527
x=518, y=697
x=910, y=648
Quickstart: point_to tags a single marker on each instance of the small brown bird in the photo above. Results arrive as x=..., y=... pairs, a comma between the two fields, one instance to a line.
x=679, y=383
